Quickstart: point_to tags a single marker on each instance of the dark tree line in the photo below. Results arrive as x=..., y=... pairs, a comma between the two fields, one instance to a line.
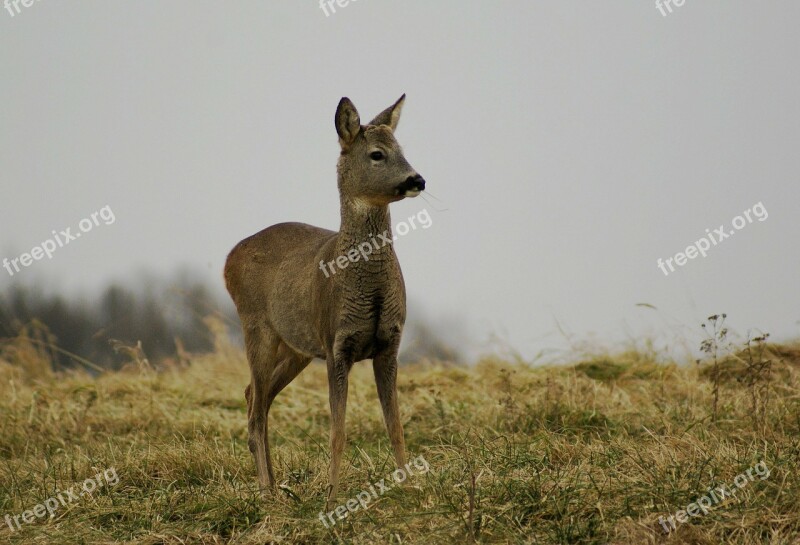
x=160, y=316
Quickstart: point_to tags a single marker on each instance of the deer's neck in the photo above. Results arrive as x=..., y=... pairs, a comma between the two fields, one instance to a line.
x=364, y=223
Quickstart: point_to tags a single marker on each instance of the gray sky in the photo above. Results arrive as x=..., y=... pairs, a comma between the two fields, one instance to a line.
x=569, y=146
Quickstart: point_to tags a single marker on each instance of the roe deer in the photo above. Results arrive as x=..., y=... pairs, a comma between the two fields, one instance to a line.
x=291, y=312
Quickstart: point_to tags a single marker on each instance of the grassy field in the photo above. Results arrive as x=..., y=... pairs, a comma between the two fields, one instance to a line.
x=593, y=452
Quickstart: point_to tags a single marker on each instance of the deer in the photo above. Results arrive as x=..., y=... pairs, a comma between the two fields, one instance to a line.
x=291, y=312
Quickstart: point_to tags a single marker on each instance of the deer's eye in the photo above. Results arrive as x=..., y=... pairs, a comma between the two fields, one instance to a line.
x=376, y=155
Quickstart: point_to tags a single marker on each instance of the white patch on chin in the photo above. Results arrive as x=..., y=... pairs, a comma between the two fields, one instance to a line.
x=412, y=192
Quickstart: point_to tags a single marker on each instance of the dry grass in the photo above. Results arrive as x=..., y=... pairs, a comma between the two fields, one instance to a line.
x=592, y=453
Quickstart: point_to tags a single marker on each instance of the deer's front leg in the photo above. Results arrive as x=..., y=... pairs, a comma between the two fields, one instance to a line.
x=339, y=364
x=384, y=366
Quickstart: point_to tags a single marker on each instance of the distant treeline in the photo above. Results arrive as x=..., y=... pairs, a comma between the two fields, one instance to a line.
x=162, y=315
x=167, y=317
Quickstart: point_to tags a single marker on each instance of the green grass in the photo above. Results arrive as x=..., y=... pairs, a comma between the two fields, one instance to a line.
x=593, y=453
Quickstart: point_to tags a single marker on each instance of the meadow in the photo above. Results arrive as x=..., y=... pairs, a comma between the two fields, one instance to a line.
x=593, y=452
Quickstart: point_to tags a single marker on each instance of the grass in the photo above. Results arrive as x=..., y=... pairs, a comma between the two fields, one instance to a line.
x=590, y=453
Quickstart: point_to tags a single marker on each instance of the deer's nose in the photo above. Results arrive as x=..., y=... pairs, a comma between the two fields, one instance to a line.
x=412, y=186
x=415, y=182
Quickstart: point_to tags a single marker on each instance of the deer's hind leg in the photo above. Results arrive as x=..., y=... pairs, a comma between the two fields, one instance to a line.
x=290, y=364
x=273, y=365
x=261, y=344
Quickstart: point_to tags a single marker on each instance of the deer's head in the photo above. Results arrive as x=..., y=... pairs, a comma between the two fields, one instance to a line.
x=372, y=168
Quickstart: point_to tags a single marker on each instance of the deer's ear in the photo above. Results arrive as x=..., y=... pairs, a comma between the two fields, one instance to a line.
x=347, y=122
x=391, y=115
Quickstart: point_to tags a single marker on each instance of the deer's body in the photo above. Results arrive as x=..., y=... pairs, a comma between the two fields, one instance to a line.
x=292, y=312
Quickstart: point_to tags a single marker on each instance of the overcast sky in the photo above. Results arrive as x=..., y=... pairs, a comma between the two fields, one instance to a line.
x=569, y=145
